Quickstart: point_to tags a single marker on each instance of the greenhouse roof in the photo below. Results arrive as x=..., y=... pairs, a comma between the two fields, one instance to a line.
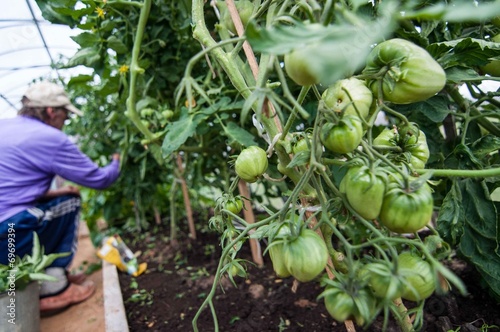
x=29, y=48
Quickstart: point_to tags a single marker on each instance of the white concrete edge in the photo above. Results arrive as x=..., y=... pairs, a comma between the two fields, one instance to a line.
x=115, y=319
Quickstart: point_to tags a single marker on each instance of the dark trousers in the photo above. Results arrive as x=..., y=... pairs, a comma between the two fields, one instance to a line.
x=56, y=223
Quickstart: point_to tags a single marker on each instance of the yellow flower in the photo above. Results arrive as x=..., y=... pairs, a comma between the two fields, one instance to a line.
x=123, y=69
x=100, y=12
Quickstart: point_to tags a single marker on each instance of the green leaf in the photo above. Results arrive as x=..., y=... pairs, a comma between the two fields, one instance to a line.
x=485, y=145
x=481, y=236
x=435, y=109
x=75, y=80
x=117, y=45
x=88, y=56
x=178, y=133
x=237, y=134
x=458, y=12
x=87, y=39
x=51, y=11
x=300, y=159
x=466, y=52
x=450, y=218
x=471, y=12
x=456, y=75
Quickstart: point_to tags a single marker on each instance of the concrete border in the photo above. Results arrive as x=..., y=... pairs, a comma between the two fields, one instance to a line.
x=115, y=318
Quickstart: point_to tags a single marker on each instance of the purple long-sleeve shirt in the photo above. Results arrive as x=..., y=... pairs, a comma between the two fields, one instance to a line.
x=31, y=154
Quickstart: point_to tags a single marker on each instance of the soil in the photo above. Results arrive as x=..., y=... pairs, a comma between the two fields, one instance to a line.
x=168, y=295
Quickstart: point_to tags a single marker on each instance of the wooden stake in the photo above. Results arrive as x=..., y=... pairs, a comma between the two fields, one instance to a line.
x=187, y=201
x=250, y=218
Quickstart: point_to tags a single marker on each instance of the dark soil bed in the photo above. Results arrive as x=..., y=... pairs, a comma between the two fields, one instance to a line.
x=168, y=295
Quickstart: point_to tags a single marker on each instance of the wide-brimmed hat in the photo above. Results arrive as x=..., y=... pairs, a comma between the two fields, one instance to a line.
x=46, y=94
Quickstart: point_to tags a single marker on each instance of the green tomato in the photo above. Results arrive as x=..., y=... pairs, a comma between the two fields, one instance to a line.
x=245, y=10
x=234, y=205
x=382, y=282
x=251, y=163
x=167, y=114
x=146, y=112
x=276, y=255
x=299, y=67
x=419, y=277
x=276, y=246
x=305, y=256
x=493, y=68
x=404, y=210
x=341, y=305
x=412, y=73
x=344, y=136
x=415, y=147
x=300, y=144
x=364, y=191
x=349, y=95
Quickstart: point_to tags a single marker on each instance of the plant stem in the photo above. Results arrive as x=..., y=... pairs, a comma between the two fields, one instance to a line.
x=466, y=173
x=135, y=70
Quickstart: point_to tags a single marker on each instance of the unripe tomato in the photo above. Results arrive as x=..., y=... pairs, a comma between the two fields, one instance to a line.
x=493, y=68
x=418, y=275
x=349, y=95
x=146, y=112
x=251, y=163
x=234, y=205
x=383, y=283
x=412, y=73
x=305, y=256
x=342, y=306
x=167, y=114
x=364, y=190
x=300, y=144
x=416, y=147
x=406, y=211
x=277, y=255
x=245, y=10
x=299, y=67
x=276, y=246
x=344, y=136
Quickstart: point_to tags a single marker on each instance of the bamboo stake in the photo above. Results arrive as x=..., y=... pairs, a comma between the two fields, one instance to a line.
x=187, y=201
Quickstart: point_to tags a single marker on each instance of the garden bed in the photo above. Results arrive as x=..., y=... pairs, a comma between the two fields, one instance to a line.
x=168, y=295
